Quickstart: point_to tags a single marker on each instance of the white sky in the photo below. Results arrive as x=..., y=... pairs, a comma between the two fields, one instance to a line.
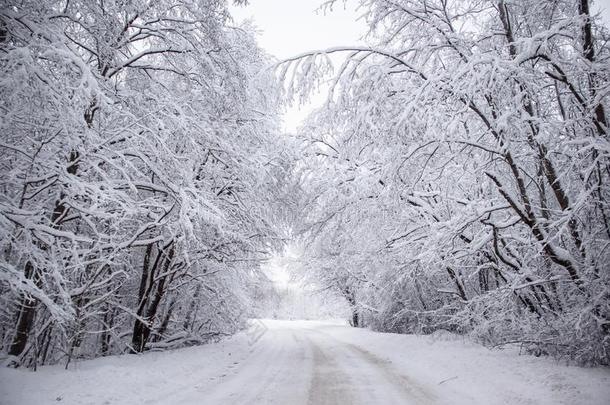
x=291, y=27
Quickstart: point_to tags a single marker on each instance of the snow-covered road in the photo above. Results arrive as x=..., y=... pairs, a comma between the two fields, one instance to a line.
x=290, y=362
x=346, y=373
x=295, y=363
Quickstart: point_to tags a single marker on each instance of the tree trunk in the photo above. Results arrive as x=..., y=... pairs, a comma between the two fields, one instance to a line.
x=146, y=282
x=27, y=306
x=355, y=318
x=458, y=283
x=148, y=309
x=25, y=318
x=106, y=335
x=190, y=314
x=351, y=299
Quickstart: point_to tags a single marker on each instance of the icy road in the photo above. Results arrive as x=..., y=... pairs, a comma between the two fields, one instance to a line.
x=289, y=362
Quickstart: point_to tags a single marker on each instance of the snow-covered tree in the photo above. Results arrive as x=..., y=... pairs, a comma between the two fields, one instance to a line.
x=458, y=175
x=139, y=175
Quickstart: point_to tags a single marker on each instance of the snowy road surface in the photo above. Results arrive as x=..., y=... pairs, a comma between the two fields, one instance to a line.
x=284, y=362
x=305, y=365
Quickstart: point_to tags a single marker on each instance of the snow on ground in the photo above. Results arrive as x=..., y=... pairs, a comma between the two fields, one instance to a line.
x=306, y=362
x=462, y=372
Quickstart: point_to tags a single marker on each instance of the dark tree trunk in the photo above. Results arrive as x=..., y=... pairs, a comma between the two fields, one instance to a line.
x=166, y=318
x=46, y=339
x=349, y=295
x=106, y=335
x=190, y=314
x=25, y=318
x=150, y=303
x=484, y=280
x=146, y=281
x=355, y=318
x=589, y=53
x=458, y=283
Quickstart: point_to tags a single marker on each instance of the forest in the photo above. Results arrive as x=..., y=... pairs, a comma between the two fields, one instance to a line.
x=456, y=178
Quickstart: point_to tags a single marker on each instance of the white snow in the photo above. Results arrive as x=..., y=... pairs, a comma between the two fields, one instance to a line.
x=307, y=362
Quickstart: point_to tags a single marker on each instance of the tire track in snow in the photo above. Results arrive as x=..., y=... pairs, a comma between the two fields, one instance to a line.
x=303, y=366
x=329, y=385
x=275, y=373
x=369, y=378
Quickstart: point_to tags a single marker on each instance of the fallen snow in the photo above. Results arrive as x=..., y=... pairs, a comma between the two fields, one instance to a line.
x=462, y=372
x=306, y=362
